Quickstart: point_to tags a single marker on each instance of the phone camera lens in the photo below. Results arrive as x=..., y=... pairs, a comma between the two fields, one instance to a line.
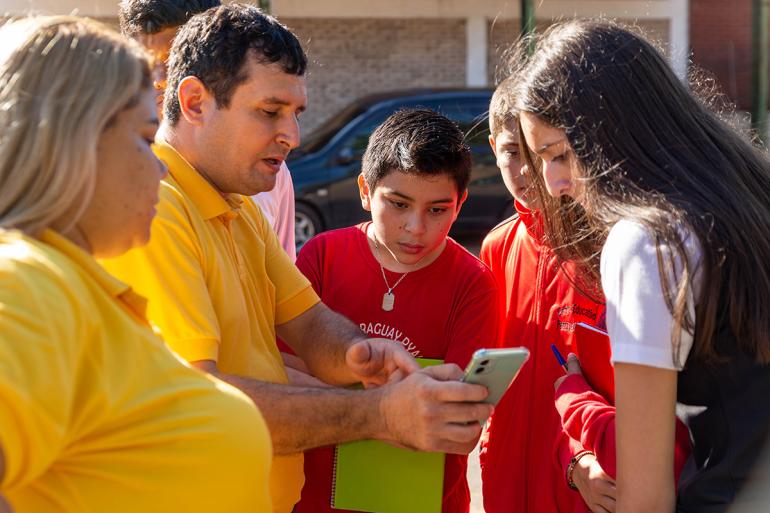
x=479, y=370
x=484, y=362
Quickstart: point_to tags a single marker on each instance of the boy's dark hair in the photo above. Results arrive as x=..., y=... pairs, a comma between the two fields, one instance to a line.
x=213, y=46
x=502, y=113
x=420, y=142
x=145, y=17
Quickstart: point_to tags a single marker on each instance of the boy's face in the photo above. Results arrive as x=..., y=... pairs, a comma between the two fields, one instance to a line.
x=411, y=215
x=506, y=149
x=158, y=46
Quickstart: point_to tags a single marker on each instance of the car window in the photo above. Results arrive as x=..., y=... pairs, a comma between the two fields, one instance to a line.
x=355, y=144
x=471, y=115
x=321, y=137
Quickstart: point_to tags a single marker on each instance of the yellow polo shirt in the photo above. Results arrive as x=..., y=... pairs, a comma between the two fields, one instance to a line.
x=96, y=413
x=217, y=282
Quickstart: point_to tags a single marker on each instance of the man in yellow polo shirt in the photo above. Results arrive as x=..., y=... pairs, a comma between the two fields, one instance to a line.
x=219, y=285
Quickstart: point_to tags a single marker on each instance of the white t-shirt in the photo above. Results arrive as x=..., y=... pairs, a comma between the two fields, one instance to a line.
x=638, y=321
x=278, y=207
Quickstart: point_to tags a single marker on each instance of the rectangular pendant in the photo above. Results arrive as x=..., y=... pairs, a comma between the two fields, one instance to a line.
x=388, y=299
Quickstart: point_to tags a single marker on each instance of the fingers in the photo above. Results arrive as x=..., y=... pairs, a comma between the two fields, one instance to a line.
x=573, y=364
x=379, y=357
x=402, y=358
x=600, y=492
x=459, y=439
x=446, y=386
x=358, y=353
x=445, y=372
x=429, y=414
x=605, y=503
x=464, y=413
x=457, y=391
x=604, y=488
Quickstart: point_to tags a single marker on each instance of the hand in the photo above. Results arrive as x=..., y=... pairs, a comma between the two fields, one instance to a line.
x=595, y=486
x=573, y=367
x=432, y=410
x=376, y=361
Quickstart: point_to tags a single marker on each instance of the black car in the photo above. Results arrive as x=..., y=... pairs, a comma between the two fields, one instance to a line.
x=325, y=167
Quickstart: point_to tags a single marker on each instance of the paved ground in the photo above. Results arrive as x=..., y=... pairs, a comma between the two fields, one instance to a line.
x=474, y=481
x=473, y=244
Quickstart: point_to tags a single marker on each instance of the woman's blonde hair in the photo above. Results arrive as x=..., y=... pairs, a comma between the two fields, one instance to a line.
x=62, y=81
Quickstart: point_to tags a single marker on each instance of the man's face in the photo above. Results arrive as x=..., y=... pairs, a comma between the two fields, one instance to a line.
x=411, y=216
x=158, y=46
x=243, y=145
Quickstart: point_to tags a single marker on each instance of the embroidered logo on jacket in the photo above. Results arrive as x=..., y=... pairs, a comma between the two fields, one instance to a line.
x=568, y=315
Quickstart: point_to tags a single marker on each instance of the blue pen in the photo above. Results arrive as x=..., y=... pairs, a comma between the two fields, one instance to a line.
x=559, y=357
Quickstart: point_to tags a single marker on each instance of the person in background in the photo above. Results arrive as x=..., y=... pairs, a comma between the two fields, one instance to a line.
x=666, y=206
x=96, y=413
x=538, y=306
x=154, y=23
x=220, y=287
x=417, y=282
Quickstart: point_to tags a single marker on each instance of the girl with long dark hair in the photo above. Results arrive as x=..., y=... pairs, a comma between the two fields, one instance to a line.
x=668, y=207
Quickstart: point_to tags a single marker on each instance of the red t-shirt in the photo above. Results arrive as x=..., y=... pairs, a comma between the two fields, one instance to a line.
x=445, y=310
x=524, y=451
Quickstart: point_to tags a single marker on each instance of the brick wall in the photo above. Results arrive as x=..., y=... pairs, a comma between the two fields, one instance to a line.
x=503, y=33
x=720, y=39
x=351, y=58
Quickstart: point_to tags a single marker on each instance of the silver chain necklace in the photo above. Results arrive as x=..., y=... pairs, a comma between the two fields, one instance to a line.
x=388, y=299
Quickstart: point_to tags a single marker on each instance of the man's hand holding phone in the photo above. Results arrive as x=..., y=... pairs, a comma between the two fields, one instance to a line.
x=432, y=410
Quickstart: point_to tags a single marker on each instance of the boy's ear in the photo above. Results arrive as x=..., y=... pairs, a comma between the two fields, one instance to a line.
x=194, y=99
x=364, y=193
x=460, y=203
x=494, y=148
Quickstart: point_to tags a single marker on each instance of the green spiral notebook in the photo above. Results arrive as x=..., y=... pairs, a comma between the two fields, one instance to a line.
x=376, y=477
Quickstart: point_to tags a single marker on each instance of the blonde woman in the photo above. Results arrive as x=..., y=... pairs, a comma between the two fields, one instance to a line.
x=96, y=414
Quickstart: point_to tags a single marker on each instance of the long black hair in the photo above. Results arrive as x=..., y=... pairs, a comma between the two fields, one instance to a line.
x=650, y=151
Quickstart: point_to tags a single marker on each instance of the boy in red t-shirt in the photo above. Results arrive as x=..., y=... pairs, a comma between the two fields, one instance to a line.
x=538, y=306
x=400, y=276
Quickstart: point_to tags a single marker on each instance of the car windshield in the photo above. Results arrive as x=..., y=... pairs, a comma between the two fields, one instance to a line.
x=318, y=138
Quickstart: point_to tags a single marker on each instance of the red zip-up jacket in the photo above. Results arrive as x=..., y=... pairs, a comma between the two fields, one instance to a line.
x=524, y=451
x=528, y=444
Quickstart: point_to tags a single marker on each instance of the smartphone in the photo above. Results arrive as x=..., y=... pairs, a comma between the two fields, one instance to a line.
x=495, y=369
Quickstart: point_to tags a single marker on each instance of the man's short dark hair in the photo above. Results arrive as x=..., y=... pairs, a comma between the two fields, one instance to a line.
x=420, y=142
x=146, y=17
x=213, y=46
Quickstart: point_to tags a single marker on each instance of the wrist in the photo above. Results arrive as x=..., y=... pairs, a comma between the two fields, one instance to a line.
x=375, y=414
x=573, y=464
